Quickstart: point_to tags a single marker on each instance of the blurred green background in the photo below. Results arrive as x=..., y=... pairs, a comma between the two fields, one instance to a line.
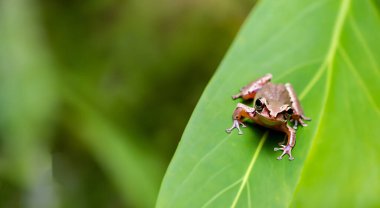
x=94, y=95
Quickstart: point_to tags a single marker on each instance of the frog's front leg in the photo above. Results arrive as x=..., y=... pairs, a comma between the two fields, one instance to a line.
x=287, y=149
x=298, y=115
x=241, y=111
x=249, y=91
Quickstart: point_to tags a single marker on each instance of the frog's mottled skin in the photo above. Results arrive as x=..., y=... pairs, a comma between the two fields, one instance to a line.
x=275, y=106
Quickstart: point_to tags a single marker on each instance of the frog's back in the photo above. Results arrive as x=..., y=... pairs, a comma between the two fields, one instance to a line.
x=274, y=92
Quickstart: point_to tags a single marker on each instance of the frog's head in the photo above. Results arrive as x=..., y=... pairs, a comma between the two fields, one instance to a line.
x=273, y=110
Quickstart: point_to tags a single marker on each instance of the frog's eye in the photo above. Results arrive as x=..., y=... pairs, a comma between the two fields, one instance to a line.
x=290, y=111
x=259, y=105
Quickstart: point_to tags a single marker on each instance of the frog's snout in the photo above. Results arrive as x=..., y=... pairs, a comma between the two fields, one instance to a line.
x=273, y=114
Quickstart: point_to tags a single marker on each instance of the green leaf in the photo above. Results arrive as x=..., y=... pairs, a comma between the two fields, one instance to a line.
x=27, y=94
x=330, y=51
x=28, y=104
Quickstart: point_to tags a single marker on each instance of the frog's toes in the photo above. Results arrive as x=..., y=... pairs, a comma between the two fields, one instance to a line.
x=305, y=118
x=234, y=97
x=302, y=123
x=236, y=124
x=295, y=124
x=286, y=150
x=280, y=157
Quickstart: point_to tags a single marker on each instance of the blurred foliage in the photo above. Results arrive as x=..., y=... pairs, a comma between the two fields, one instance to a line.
x=94, y=95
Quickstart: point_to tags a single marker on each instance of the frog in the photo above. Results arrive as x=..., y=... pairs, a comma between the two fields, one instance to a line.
x=275, y=106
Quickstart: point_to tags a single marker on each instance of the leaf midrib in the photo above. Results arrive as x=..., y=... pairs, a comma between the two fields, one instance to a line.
x=249, y=169
x=327, y=64
x=342, y=16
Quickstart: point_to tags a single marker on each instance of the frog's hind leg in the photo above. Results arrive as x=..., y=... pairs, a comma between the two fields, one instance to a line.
x=241, y=111
x=287, y=149
x=298, y=115
x=249, y=91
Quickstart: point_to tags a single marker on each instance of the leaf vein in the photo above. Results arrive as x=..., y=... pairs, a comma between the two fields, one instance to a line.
x=296, y=68
x=195, y=167
x=341, y=17
x=361, y=39
x=221, y=192
x=300, y=16
x=249, y=195
x=249, y=169
x=359, y=79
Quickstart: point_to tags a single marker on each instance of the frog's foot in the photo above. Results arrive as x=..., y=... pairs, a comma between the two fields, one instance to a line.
x=234, y=97
x=236, y=124
x=305, y=118
x=300, y=121
x=295, y=126
x=241, y=111
x=286, y=150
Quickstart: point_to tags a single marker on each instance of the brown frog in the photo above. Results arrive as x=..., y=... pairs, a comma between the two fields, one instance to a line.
x=276, y=106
